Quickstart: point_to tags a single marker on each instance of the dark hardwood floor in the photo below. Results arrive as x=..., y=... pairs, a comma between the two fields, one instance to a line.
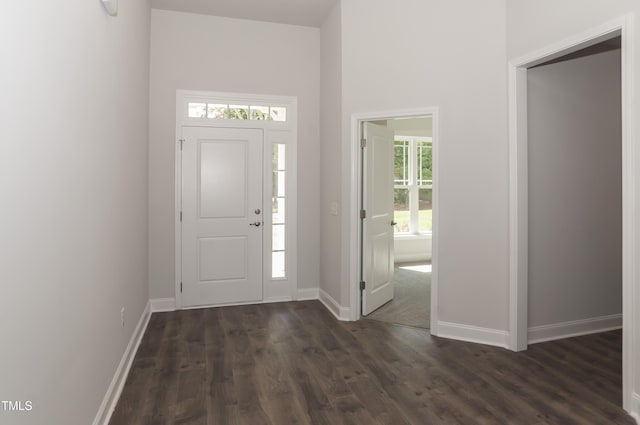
x=293, y=363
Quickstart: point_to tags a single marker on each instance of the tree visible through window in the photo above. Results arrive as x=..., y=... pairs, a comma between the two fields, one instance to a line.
x=413, y=185
x=236, y=112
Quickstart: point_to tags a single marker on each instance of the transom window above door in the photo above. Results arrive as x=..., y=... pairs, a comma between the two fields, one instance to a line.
x=413, y=185
x=229, y=111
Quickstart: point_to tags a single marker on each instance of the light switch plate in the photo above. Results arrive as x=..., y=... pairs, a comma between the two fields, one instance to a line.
x=111, y=6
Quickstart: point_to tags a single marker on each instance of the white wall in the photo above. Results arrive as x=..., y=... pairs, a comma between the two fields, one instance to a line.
x=421, y=127
x=575, y=192
x=73, y=179
x=423, y=53
x=198, y=52
x=535, y=25
x=412, y=248
x=331, y=149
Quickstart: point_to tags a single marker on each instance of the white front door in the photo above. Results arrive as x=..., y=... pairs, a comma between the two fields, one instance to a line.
x=377, y=227
x=221, y=215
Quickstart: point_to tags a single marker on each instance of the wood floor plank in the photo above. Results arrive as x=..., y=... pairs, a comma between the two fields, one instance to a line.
x=293, y=363
x=376, y=401
x=190, y=406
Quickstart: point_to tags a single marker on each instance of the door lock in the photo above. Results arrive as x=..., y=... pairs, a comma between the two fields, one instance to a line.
x=257, y=211
x=257, y=224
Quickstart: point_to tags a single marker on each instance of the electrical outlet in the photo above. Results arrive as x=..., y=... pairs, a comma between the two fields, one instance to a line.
x=122, y=316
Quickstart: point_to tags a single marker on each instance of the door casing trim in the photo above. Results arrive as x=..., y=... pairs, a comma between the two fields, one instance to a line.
x=518, y=193
x=273, y=290
x=355, y=204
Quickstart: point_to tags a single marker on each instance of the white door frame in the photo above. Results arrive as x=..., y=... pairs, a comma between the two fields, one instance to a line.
x=274, y=289
x=355, y=207
x=518, y=191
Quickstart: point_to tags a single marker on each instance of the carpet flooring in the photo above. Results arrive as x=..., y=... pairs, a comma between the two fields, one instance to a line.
x=411, y=304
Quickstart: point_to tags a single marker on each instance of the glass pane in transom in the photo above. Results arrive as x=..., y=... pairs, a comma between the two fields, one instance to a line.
x=260, y=113
x=238, y=112
x=278, y=113
x=216, y=110
x=197, y=110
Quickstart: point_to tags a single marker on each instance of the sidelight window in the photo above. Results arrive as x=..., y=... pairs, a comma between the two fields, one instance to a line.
x=278, y=218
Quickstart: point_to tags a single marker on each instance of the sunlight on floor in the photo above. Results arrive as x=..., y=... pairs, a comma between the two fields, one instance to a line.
x=422, y=268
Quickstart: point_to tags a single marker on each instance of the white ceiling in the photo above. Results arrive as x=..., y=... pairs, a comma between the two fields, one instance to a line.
x=296, y=12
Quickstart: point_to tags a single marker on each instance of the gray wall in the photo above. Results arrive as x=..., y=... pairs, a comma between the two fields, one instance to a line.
x=73, y=178
x=199, y=52
x=330, y=148
x=407, y=54
x=575, y=192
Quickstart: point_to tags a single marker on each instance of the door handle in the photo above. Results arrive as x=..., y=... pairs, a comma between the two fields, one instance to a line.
x=393, y=223
x=257, y=224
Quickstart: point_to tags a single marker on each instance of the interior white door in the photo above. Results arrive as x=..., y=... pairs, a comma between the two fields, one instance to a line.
x=221, y=215
x=377, y=229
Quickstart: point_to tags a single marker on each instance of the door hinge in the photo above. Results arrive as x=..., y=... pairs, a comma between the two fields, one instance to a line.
x=180, y=286
x=363, y=143
x=181, y=143
x=180, y=216
x=363, y=214
x=363, y=285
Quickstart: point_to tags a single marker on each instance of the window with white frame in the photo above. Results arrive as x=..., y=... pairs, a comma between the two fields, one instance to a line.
x=229, y=111
x=277, y=118
x=278, y=269
x=413, y=185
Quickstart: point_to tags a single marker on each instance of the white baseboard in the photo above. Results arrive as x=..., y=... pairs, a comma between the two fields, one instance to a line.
x=308, y=294
x=271, y=300
x=635, y=407
x=475, y=334
x=574, y=328
x=411, y=258
x=168, y=304
x=117, y=383
x=341, y=313
x=162, y=304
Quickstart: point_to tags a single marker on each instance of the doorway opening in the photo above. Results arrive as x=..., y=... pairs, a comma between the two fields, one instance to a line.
x=575, y=194
x=397, y=228
x=525, y=130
